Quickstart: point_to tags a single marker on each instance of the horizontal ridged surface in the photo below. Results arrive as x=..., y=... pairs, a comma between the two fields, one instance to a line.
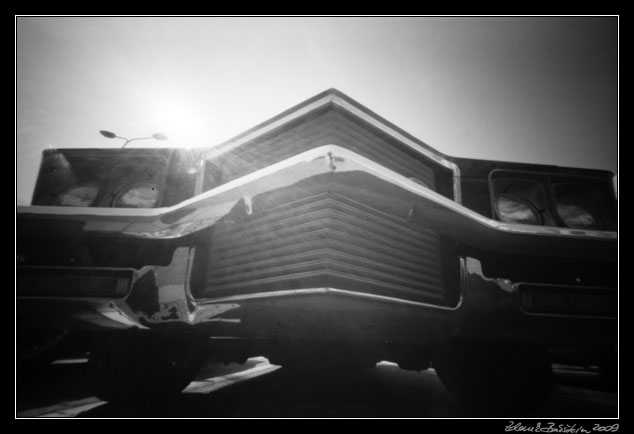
x=325, y=240
x=329, y=127
x=70, y=284
x=559, y=300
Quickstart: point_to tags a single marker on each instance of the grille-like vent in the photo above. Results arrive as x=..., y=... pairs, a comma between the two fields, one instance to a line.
x=328, y=126
x=73, y=283
x=568, y=300
x=326, y=240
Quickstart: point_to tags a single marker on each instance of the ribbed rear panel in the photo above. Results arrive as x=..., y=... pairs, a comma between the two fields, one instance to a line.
x=325, y=240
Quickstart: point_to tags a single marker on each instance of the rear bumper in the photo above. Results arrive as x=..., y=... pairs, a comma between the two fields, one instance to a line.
x=488, y=308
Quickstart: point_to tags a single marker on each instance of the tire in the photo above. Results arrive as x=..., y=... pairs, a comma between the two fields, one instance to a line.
x=143, y=367
x=495, y=375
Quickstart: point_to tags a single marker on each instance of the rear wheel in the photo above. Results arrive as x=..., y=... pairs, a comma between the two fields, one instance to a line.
x=143, y=366
x=495, y=375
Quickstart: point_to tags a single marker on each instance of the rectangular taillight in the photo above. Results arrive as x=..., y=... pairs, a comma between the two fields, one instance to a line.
x=568, y=300
x=66, y=282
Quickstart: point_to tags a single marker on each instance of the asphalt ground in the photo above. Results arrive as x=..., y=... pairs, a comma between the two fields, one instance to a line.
x=259, y=389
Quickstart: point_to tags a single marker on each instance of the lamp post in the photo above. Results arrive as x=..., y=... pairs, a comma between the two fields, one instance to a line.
x=111, y=135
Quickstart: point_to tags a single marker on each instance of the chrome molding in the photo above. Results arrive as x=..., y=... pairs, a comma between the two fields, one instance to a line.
x=285, y=173
x=321, y=291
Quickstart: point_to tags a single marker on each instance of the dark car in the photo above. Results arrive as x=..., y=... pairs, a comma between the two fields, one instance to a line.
x=324, y=237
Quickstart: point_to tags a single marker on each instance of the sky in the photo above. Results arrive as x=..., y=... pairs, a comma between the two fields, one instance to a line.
x=529, y=89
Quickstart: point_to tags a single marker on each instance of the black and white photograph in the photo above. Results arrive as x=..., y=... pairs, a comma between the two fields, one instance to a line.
x=318, y=217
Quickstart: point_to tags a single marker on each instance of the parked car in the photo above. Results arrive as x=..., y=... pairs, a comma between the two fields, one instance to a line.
x=324, y=237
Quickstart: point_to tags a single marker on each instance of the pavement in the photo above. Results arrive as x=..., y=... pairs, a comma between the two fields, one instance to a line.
x=259, y=389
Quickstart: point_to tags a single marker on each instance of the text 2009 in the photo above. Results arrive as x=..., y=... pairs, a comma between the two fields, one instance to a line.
x=605, y=428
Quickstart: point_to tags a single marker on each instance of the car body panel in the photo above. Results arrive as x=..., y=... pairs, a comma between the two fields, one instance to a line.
x=327, y=243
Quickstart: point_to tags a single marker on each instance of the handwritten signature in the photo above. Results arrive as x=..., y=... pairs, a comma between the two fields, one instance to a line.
x=551, y=427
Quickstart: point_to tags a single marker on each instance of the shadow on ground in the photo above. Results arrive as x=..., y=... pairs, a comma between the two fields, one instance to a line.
x=384, y=391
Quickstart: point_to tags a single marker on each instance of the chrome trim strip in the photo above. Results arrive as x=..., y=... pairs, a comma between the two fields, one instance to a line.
x=347, y=161
x=474, y=266
x=555, y=285
x=56, y=267
x=572, y=317
x=313, y=291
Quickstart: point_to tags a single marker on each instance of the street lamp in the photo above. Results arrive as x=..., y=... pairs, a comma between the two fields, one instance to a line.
x=110, y=135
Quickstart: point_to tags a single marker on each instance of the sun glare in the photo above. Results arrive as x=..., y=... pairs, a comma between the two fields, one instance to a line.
x=182, y=119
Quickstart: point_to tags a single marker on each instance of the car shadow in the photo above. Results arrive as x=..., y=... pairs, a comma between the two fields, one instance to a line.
x=259, y=390
x=48, y=385
x=384, y=391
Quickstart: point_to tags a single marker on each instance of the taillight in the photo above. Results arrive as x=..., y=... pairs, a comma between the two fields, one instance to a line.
x=77, y=195
x=145, y=195
x=552, y=199
x=514, y=209
x=523, y=201
x=580, y=206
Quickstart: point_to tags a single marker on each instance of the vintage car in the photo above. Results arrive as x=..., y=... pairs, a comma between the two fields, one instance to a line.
x=325, y=237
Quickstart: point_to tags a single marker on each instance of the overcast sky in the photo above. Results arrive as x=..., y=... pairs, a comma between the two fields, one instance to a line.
x=531, y=89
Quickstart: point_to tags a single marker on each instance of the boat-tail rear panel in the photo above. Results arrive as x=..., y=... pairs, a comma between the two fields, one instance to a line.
x=328, y=126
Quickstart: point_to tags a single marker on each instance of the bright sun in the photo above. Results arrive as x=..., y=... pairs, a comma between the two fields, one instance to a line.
x=182, y=120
